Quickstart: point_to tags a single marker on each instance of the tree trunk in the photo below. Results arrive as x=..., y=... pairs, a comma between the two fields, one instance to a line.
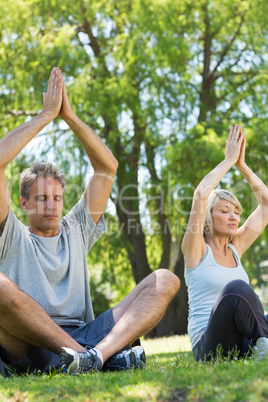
x=127, y=209
x=134, y=241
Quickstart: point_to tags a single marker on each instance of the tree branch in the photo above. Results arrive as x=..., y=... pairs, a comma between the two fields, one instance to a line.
x=220, y=74
x=18, y=113
x=207, y=44
x=241, y=83
x=87, y=29
x=229, y=44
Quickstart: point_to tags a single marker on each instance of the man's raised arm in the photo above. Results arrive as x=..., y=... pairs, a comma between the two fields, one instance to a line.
x=12, y=143
x=103, y=162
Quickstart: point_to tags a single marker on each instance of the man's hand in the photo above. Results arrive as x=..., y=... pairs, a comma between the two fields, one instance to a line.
x=66, y=111
x=52, y=99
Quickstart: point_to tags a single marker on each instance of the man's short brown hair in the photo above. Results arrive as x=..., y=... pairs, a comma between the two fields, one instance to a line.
x=39, y=169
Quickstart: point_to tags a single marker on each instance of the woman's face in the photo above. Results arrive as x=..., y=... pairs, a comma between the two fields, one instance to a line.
x=225, y=218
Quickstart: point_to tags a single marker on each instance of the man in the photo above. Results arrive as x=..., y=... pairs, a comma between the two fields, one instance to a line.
x=46, y=316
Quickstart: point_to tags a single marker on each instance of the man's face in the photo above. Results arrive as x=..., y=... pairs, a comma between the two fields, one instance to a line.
x=44, y=206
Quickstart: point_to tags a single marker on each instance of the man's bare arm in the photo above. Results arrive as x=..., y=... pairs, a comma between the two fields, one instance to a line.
x=103, y=162
x=12, y=143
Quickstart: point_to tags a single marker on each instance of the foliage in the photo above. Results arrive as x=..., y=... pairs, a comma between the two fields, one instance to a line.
x=160, y=81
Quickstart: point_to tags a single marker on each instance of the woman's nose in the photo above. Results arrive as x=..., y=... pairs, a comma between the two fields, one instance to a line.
x=233, y=216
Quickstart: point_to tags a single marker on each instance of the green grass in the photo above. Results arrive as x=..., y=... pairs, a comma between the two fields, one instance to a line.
x=171, y=375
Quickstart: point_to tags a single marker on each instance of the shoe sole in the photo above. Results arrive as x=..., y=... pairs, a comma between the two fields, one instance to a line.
x=68, y=361
x=142, y=362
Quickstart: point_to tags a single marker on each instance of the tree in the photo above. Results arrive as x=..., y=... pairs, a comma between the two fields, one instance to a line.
x=159, y=81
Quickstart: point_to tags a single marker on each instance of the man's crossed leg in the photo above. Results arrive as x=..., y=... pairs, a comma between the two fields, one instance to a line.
x=24, y=323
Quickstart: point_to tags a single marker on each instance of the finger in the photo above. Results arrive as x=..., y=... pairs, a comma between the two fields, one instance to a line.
x=63, y=84
x=44, y=96
x=242, y=134
x=236, y=134
x=231, y=132
x=244, y=139
x=240, y=139
x=53, y=81
x=57, y=82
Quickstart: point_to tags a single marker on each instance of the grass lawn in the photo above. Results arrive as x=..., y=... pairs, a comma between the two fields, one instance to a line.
x=171, y=375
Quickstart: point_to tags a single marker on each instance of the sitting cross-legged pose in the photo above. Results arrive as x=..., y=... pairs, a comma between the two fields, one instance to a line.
x=225, y=314
x=46, y=314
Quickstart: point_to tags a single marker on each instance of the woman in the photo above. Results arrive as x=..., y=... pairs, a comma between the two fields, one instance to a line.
x=225, y=314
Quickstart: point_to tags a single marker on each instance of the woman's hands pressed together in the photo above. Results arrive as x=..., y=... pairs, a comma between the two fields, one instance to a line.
x=235, y=146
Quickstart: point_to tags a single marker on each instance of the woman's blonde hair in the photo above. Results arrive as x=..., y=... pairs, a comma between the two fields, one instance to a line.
x=213, y=200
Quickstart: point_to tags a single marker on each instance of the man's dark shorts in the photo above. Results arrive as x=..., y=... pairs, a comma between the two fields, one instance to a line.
x=41, y=359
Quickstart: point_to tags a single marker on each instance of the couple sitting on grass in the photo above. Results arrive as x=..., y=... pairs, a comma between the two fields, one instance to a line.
x=47, y=319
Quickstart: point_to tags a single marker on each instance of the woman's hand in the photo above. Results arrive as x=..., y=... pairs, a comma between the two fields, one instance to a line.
x=241, y=160
x=233, y=146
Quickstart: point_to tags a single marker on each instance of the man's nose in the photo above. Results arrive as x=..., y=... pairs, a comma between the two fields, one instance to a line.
x=50, y=203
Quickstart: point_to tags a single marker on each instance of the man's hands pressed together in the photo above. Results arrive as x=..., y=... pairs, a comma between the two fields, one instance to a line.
x=66, y=111
x=55, y=100
x=52, y=99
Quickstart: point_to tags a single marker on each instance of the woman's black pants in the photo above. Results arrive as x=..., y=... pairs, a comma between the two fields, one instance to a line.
x=237, y=320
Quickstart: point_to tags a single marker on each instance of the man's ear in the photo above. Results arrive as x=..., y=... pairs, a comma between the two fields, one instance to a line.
x=24, y=203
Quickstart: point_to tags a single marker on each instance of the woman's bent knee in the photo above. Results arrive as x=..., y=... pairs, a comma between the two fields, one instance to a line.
x=238, y=286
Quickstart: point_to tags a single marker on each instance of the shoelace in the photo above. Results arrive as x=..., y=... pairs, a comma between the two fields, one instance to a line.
x=87, y=361
x=125, y=359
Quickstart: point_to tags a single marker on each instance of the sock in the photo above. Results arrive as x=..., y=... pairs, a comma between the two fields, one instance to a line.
x=99, y=354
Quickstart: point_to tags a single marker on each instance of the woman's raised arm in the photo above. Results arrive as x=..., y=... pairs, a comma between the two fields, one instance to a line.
x=257, y=221
x=193, y=244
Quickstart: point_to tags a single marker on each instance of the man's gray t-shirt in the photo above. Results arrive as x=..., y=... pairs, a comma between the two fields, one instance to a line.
x=53, y=270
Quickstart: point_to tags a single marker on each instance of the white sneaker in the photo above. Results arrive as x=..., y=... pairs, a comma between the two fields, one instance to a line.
x=261, y=348
x=77, y=363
